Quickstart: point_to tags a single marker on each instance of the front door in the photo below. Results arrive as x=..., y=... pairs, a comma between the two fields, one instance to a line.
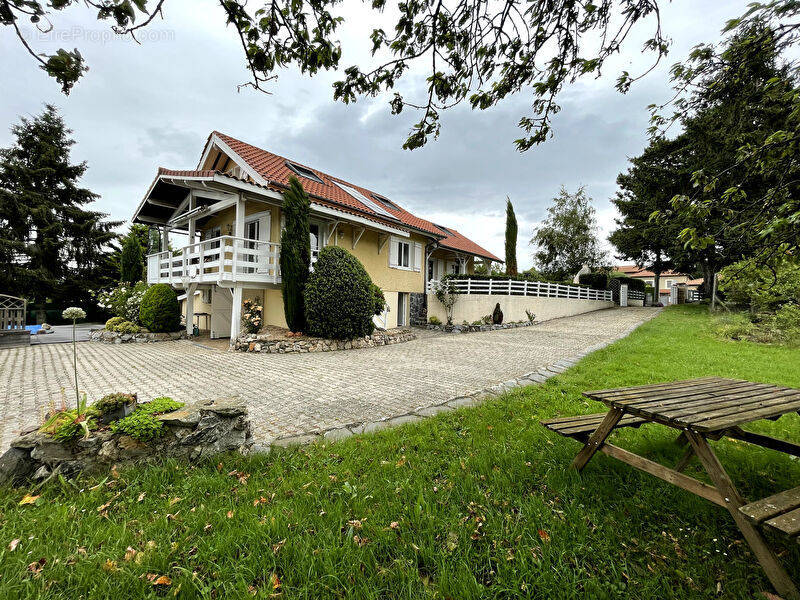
x=221, y=306
x=402, y=307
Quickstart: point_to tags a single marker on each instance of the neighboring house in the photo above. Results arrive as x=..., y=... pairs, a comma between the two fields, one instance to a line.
x=229, y=210
x=666, y=280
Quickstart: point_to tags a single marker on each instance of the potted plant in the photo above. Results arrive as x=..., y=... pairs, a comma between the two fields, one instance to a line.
x=113, y=407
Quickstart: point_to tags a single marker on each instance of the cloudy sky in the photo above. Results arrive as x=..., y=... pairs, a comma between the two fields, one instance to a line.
x=141, y=107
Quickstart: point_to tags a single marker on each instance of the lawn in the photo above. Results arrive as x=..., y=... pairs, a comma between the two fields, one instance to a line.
x=473, y=503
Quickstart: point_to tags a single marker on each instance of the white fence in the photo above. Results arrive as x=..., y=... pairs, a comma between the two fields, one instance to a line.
x=537, y=289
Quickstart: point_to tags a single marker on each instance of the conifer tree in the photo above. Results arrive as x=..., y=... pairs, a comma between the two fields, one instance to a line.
x=295, y=253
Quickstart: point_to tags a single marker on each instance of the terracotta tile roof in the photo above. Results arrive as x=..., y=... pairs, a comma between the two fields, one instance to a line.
x=275, y=170
x=634, y=271
x=180, y=173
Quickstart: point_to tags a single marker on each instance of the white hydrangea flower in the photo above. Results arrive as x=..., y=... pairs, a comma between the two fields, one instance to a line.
x=74, y=313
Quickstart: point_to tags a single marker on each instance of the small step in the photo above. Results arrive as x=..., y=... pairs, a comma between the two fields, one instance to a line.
x=780, y=512
x=15, y=339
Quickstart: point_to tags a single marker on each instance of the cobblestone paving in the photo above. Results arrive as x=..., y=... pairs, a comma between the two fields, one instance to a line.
x=291, y=394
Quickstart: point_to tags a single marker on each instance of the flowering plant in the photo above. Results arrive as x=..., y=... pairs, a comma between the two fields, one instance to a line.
x=123, y=300
x=251, y=316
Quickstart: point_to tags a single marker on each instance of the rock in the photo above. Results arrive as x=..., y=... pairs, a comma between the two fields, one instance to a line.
x=41, y=473
x=16, y=465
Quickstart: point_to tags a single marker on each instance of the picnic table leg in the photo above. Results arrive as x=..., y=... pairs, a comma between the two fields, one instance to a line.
x=688, y=454
x=765, y=555
x=597, y=438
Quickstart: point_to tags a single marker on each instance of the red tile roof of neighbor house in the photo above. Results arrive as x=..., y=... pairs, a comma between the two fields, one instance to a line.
x=634, y=271
x=275, y=170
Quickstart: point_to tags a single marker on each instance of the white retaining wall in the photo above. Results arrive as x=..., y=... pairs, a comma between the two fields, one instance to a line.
x=472, y=307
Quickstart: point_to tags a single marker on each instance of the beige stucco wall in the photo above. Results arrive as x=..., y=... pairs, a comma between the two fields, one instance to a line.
x=473, y=307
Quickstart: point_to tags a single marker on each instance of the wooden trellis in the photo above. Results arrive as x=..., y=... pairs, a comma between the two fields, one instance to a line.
x=12, y=313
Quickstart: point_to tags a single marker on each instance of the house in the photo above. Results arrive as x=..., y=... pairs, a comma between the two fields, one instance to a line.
x=667, y=279
x=228, y=211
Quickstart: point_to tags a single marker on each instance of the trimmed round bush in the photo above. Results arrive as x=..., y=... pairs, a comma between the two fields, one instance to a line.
x=159, y=310
x=339, y=297
x=113, y=322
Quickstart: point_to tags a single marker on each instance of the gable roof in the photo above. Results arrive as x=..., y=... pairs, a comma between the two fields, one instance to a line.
x=275, y=170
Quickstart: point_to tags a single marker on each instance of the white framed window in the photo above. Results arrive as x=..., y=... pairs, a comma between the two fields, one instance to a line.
x=404, y=254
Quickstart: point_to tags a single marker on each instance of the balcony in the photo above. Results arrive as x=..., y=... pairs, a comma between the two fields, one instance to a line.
x=223, y=260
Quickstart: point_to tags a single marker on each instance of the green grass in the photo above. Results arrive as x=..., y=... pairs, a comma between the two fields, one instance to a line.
x=482, y=501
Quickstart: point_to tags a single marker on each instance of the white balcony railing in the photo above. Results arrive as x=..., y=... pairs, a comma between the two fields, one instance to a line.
x=541, y=289
x=217, y=260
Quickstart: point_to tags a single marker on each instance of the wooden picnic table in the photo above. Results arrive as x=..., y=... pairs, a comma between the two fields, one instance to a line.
x=702, y=409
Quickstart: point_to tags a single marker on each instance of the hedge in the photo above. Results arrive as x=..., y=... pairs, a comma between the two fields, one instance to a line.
x=339, y=297
x=159, y=310
x=597, y=281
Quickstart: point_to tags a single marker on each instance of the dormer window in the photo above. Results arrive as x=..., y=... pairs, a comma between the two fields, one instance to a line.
x=304, y=172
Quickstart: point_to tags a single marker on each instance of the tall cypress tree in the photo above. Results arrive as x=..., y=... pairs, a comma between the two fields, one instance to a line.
x=51, y=248
x=295, y=254
x=511, y=239
x=131, y=260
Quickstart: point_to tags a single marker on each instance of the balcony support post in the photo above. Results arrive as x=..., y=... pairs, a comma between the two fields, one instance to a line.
x=190, y=308
x=192, y=220
x=236, y=314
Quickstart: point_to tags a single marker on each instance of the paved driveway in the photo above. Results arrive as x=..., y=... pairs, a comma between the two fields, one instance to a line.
x=292, y=394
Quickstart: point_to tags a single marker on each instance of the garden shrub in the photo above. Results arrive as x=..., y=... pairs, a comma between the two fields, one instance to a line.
x=435, y=320
x=251, y=316
x=113, y=322
x=123, y=300
x=159, y=310
x=126, y=327
x=160, y=405
x=339, y=298
x=761, y=288
x=497, y=315
x=379, y=299
x=597, y=281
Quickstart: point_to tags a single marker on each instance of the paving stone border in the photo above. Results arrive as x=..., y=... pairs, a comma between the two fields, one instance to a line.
x=475, y=328
x=104, y=336
x=255, y=342
x=539, y=376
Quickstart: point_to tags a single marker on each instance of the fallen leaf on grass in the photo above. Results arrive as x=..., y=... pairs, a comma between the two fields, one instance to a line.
x=28, y=499
x=130, y=554
x=110, y=566
x=230, y=514
x=275, y=582
x=174, y=501
x=276, y=547
x=394, y=525
x=159, y=579
x=354, y=523
x=36, y=567
x=360, y=541
x=141, y=496
x=13, y=545
x=544, y=536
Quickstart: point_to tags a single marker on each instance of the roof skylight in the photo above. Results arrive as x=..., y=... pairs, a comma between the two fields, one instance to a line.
x=304, y=172
x=445, y=229
x=366, y=201
x=386, y=202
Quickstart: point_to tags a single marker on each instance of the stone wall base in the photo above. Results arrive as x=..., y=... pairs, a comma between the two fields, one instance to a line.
x=105, y=336
x=475, y=328
x=262, y=343
x=192, y=432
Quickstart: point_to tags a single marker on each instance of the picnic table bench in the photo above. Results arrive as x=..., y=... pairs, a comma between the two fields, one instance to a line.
x=703, y=409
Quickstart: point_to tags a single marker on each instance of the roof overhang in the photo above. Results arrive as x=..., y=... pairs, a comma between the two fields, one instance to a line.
x=167, y=199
